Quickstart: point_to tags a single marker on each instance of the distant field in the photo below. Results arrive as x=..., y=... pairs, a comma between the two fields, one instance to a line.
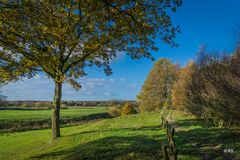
x=33, y=115
x=29, y=119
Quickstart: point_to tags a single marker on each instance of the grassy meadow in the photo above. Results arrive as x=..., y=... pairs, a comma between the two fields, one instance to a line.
x=34, y=115
x=136, y=136
x=36, y=119
x=174, y=94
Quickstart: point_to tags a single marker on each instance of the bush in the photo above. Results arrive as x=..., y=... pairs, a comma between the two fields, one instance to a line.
x=43, y=105
x=64, y=106
x=24, y=105
x=114, y=111
x=128, y=109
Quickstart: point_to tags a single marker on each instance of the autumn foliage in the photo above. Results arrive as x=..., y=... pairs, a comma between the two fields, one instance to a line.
x=114, y=111
x=128, y=109
x=156, y=90
x=63, y=38
x=210, y=87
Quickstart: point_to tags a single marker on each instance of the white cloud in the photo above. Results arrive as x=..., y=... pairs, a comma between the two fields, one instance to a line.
x=42, y=88
x=133, y=86
x=110, y=94
x=122, y=79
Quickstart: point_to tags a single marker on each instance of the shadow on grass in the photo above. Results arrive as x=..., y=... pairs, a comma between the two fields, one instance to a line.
x=210, y=140
x=145, y=128
x=115, y=147
x=193, y=122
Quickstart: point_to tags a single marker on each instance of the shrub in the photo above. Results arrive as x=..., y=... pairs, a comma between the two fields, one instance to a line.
x=64, y=106
x=24, y=105
x=38, y=105
x=114, y=111
x=43, y=105
x=128, y=108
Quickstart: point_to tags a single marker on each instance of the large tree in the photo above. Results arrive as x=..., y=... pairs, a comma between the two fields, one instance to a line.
x=156, y=90
x=182, y=90
x=209, y=88
x=63, y=37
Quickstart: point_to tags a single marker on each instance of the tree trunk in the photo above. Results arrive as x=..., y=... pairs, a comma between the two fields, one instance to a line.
x=56, y=111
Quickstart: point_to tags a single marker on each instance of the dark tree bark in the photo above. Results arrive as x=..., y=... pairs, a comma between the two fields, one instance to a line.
x=56, y=111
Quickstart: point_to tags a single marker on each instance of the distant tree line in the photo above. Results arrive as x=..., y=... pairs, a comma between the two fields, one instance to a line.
x=48, y=104
x=96, y=103
x=208, y=88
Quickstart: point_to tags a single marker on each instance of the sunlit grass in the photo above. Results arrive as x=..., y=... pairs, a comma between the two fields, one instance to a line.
x=133, y=136
x=34, y=115
x=127, y=137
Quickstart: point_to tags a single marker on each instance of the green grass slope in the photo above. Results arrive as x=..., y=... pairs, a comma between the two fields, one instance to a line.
x=123, y=138
x=127, y=137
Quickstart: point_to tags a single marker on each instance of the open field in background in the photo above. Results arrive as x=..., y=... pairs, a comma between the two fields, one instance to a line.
x=37, y=119
x=31, y=115
x=127, y=137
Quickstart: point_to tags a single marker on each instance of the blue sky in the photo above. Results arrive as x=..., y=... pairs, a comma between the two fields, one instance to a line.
x=203, y=22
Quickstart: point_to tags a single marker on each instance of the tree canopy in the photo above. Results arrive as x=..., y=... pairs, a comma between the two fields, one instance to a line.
x=209, y=88
x=63, y=37
x=156, y=90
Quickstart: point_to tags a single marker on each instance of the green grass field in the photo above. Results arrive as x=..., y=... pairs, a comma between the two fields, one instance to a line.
x=34, y=115
x=126, y=137
x=17, y=120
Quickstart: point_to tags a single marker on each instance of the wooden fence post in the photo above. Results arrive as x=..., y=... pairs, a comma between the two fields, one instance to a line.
x=169, y=151
x=173, y=144
x=165, y=153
